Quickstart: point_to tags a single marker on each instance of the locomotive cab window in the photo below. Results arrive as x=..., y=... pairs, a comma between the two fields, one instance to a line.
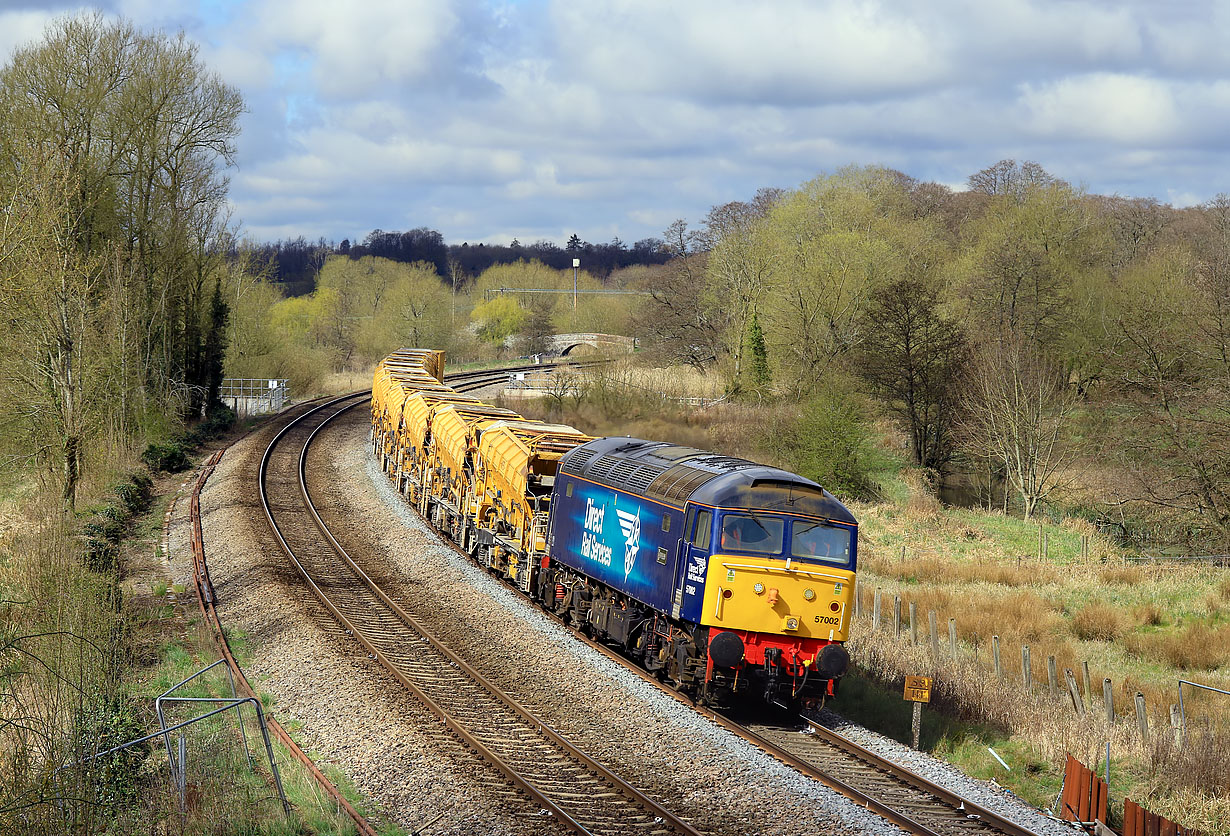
x=752, y=533
x=815, y=541
x=699, y=528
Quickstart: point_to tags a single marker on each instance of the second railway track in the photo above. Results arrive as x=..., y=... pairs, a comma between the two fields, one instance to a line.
x=553, y=774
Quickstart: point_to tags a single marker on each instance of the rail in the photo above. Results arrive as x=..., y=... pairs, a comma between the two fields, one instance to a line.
x=640, y=811
x=953, y=813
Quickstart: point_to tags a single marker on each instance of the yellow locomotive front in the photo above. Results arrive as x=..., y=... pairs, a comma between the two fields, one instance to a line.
x=778, y=599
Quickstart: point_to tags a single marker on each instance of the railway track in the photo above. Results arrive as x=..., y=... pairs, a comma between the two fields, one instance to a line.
x=544, y=771
x=912, y=802
x=901, y=796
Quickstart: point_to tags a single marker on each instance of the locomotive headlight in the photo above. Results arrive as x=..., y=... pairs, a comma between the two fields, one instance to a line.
x=791, y=623
x=759, y=589
x=809, y=594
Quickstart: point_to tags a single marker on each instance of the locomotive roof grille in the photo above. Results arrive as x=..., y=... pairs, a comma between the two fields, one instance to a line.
x=578, y=460
x=677, y=483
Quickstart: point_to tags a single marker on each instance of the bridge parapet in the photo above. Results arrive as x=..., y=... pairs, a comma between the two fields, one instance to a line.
x=563, y=344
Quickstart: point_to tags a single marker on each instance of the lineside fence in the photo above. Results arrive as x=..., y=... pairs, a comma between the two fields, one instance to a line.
x=255, y=396
x=895, y=635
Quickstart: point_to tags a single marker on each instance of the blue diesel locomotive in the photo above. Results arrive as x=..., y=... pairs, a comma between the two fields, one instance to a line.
x=722, y=574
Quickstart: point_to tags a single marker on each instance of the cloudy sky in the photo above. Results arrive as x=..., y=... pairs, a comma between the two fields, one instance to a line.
x=495, y=119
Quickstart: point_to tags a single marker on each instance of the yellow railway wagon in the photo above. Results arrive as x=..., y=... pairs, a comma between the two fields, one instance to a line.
x=454, y=440
x=427, y=359
x=389, y=393
x=517, y=463
x=414, y=436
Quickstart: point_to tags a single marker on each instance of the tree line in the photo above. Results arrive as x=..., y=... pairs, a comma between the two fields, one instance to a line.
x=1052, y=339
x=295, y=263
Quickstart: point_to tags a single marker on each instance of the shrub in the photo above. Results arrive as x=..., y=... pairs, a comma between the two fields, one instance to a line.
x=99, y=555
x=168, y=457
x=135, y=493
x=111, y=722
x=1098, y=622
x=831, y=443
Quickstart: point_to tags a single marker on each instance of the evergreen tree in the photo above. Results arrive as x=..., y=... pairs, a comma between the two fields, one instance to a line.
x=759, y=366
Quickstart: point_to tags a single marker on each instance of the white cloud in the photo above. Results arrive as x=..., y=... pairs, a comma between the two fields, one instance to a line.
x=487, y=117
x=1111, y=107
x=355, y=47
x=20, y=29
x=792, y=51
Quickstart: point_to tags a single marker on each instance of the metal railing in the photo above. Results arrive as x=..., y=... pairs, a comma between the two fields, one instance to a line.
x=1183, y=710
x=254, y=396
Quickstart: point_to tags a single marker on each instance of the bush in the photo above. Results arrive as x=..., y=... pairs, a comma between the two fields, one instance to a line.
x=831, y=443
x=135, y=493
x=168, y=457
x=110, y=723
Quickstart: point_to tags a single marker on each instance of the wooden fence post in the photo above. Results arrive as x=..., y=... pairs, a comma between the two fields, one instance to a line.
x=1046, y=545
x=999, y=670
x=897, y=616
x=1142, y=719
x=875, y=610
x=952, y=637
x=935, y=639
x=1052, y=679
x=1027, y=678
x=1078, y=705
x=858, y=599
x=1088, y=683
x=1176, y=723
x=1108, y=695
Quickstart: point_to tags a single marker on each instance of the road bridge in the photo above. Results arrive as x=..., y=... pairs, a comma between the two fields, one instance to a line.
x=563, y=344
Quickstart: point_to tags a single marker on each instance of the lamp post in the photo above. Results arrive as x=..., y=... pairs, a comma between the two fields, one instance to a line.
x=576, y=263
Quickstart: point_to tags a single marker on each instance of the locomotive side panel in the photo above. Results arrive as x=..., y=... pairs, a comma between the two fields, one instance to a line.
x=627, y=542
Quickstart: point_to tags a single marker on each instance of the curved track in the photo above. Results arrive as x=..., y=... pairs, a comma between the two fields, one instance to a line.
x=577, y=791
x=901, y=796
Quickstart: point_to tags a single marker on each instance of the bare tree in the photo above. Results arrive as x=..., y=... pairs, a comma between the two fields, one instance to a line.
x=1016, y=410
x=681, y=322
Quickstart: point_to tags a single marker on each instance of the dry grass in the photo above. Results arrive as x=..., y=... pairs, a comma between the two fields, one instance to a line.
x=936, y=569
x=1223, y=588
x=922, y=505
x=1196, y=647
x=1148, y=615
x=1098, y=622
x=1122, y=575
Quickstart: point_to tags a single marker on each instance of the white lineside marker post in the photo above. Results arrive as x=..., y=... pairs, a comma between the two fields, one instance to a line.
x=998, y=758
x=917, y=691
